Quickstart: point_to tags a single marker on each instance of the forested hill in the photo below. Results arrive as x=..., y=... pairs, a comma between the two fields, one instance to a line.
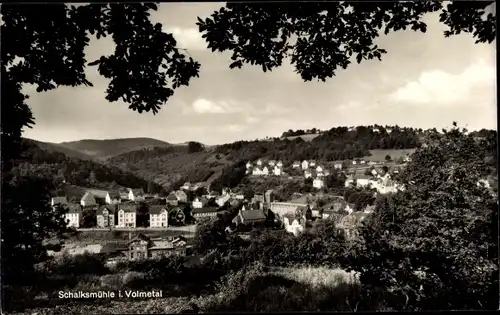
x=338, y=143
x=85, y=173
x=102, y=149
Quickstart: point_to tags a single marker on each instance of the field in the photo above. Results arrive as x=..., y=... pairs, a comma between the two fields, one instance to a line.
x=307, y=137
x=379, y=155
x=316, y=276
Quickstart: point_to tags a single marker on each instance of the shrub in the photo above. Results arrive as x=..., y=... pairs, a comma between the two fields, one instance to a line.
x=79, y=264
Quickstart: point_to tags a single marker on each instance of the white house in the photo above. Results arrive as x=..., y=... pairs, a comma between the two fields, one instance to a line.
x=318, y=183
x=305, y=165
x=257, y=171
x=265, y=171
x=88, y=200
x=312, y=163
x=296, y=164
x=319, y=169
x=127, y=216
x=259, y=162
x=73, y=217
x=158, y=217
x=113, y=197
x=307, y=174
x=374, y=172
x=337, y=166
x=186, y=186
x=59, y=200
x=354, y=162
x=349, y=208
x=135, y=194
x=198, y=203
x=272, y=163
x=279, y=164
x=362, y=161
x=320, y=174
x=222, y=200
x=249, y=165
x=277, y=171
x=292, y=225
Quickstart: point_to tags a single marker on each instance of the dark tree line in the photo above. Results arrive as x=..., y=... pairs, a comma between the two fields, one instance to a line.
x=299, y=132
x=338, y=143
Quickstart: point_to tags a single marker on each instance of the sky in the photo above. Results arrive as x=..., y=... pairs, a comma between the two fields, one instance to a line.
x=424, y=81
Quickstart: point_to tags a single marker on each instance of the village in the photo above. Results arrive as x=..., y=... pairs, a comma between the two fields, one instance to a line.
x=182, y=209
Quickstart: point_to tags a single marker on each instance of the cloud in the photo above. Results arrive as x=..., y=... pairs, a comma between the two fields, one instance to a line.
x=203, y=106
x=440, y=87
x=188, y=38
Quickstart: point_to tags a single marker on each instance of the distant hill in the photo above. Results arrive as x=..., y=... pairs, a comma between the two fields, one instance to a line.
x=53, y=147
x=62, y=169
x=103, y=149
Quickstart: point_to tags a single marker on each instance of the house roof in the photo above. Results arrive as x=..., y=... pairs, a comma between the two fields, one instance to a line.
x=253, y=215
x=113, y=247
x=60, y=200
x=156, y=209
x=141, y=237
x=88, y=198
x=172, y=196
x=128, y=207
x=137, y=191
x=110, y=208
x=72, y=208
x=98, y=193
x=204, y=210
x=180, y=194
x=114, y=195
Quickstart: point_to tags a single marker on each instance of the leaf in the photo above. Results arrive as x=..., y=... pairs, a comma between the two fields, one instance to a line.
x=359, y=57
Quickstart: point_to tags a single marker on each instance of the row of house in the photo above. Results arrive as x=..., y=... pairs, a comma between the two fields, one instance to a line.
x=93, y=197
x=382, y=183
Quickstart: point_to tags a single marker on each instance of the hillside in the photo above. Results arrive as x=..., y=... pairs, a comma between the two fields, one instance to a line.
x=103, y=149
x=223, y=164
x=53, y=147
x=73, y=171
x=172, y=165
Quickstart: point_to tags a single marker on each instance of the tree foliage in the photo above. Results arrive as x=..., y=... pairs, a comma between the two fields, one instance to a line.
x=320, y=38
x=435, y=243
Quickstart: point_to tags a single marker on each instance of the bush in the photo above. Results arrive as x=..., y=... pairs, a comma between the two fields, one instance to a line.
x=78, y=265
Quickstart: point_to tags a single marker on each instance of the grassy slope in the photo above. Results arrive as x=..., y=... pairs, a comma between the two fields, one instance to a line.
x=379, y=155
x=307, y=137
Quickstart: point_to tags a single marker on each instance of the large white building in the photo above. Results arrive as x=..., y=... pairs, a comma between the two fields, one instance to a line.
x=158, y=217
x=127, y=216
x=318, y=183
x=73, y=217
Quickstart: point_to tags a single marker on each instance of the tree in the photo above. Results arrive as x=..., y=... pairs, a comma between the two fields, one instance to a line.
x=30, y=221
x=209, y=235
x=142, y=214
x=328, y=34
x=388, y=158
x=89, y=218
x=194, y=147
x=44, y=45
x=435, y=243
